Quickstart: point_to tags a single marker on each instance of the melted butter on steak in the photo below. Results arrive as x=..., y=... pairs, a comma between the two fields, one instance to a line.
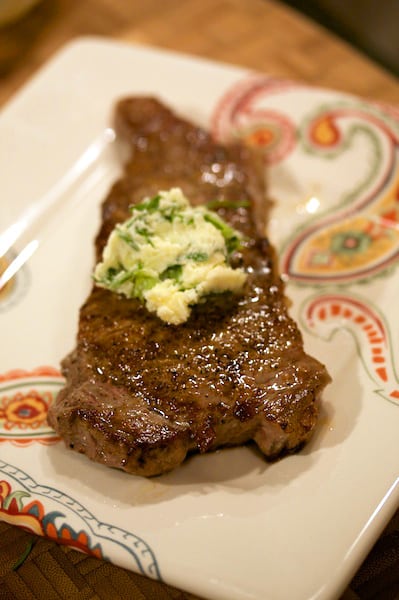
x=170, y=255
x=141, y=394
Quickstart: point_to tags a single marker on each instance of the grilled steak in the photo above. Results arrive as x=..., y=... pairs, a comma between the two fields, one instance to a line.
x=140, y=394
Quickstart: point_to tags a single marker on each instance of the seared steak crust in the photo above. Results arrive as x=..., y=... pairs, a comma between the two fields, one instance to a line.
x=141, y=394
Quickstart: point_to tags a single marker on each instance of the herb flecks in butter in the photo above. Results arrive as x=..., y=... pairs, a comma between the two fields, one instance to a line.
x=171, y=256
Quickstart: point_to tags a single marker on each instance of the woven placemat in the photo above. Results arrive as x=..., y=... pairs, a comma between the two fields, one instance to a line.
x=33, y=568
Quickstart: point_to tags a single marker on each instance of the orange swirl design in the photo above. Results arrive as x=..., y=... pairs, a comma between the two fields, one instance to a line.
x=324, y=132
x=34, y=518
x=359, y=238
x=25, y=397
x=240, y=114
x=329, y=313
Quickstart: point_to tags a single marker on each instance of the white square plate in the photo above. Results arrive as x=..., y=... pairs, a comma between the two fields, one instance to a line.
x=225, y=525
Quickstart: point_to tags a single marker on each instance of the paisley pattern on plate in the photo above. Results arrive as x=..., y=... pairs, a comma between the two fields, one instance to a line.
x=325, y=314
x=17, y=508
x=241, y=115
x=47, y=511
x=360, y=236
x=356, y=238
x=25, y=397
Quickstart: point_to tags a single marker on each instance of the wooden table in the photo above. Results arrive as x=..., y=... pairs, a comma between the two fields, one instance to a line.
x=260, y=34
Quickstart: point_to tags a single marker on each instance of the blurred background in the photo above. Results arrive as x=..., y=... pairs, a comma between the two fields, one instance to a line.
x=370, y=25
x=33, y=30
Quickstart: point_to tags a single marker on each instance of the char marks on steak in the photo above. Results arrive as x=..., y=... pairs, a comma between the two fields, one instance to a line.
x=141, y=394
